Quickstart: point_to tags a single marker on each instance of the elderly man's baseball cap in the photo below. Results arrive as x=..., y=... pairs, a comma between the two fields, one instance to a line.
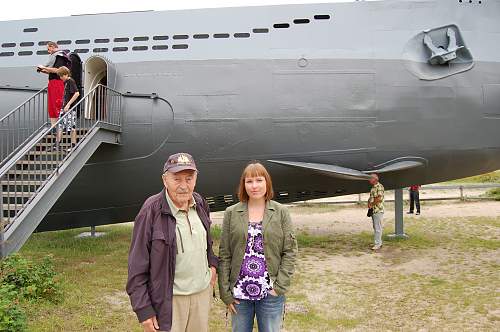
x=179, y=162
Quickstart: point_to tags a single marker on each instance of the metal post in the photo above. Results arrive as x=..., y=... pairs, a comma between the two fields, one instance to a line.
x=2, y=227
x=2, y=243
x=398, y=215
x=461, y=193
x=359, y=199
x=92, y=231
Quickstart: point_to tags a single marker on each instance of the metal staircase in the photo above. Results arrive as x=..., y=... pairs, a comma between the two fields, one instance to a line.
x=35, y=170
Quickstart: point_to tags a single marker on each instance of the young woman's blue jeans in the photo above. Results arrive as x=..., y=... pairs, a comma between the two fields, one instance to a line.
x=269, y=313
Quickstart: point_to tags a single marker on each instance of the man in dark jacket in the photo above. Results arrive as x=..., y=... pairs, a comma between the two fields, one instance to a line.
x=171, y=266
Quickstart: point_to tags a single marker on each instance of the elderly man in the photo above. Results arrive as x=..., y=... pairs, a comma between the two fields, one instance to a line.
x=171, y=266
x=376, y=202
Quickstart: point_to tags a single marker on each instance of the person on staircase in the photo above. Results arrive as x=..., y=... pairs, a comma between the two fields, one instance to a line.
x=55, y=88
x=68, y=115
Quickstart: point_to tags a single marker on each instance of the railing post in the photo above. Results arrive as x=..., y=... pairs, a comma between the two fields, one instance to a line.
x=2, y=228
x=2, y=242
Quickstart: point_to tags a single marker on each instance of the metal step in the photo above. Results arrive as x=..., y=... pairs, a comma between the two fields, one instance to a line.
x=37, y=162
x=45, y=171
x=31, y=191
x=17, y=193
x=12, y=207
x=23, y=180
x=25, y=183
x=47, y=144
x=42, y=158
x=46, y=153
x=79, y=132
x=42, y=162
x=31, y=171
x=48, y=141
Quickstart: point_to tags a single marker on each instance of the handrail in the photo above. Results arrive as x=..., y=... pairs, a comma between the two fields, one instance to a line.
x=100, y=105
x=22, y=123
x=79, y=107
x=27, y=100
x=19, y=88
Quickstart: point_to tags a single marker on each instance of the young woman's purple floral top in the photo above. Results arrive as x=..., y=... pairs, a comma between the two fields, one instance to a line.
x=253, y=282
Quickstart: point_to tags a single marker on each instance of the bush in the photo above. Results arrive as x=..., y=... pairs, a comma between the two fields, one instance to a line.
x=494, y=193
x=24, y=280
x=33, y=281
x=12, y=316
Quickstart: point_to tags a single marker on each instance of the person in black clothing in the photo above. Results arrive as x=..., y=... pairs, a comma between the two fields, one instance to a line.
x=71, y=94
x=414, y=198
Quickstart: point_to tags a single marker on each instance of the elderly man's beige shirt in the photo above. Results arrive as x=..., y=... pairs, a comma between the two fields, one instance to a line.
x=192, y=273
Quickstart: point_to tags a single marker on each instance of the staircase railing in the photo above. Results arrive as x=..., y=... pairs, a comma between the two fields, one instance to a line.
x=101, y=107
x=22, y=123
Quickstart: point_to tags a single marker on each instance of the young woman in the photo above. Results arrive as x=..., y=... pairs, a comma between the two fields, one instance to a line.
x=257, y=254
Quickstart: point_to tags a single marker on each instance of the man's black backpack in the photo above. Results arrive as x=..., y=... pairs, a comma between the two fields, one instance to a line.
x=65, y=57
x=76, y=73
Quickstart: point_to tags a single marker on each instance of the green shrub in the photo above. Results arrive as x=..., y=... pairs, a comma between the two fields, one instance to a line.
x=33, y=281
x=12, y=316
x=24, y=280
x=494, y=193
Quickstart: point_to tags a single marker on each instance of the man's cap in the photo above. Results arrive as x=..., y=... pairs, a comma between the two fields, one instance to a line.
x=179, y=162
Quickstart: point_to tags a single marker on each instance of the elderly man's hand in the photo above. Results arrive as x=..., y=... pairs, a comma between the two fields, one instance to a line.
x=214, y=276
x=150, y=325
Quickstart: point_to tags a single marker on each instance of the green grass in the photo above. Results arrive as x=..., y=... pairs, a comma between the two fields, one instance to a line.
x=305, y=321
x=478, y=243
x=416, y=240
x=493, y=177
x=308, y=208
x=91, y=269
x=455, y=290
x=216, y=232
